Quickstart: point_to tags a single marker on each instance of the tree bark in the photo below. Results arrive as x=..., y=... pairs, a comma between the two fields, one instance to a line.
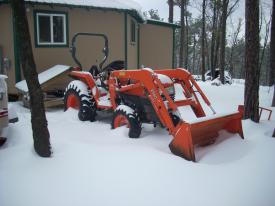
x=273, y=101
x=182, y=34
x=203, y=41
x=171, y=11
x=186, y=39
x=41, y=134
x=217, y=49
x=213, y=39
x=207, y=67
x=194, y=53
x=252, y=74
x=223, y=39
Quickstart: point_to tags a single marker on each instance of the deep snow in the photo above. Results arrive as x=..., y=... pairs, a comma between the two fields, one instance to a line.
x=94, y=165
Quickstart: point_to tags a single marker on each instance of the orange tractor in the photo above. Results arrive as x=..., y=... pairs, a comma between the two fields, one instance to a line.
x=148, y=96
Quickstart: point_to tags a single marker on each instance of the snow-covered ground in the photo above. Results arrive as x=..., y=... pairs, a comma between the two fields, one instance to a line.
x=94, y=165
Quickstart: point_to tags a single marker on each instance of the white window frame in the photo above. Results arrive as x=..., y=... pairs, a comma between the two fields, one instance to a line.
x=51, y=15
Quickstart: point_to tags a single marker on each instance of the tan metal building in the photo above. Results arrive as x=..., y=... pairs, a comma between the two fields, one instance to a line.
x=52, y=25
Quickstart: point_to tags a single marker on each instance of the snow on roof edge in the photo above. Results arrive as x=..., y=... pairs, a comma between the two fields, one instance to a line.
x=127, y=5
x=163, y=23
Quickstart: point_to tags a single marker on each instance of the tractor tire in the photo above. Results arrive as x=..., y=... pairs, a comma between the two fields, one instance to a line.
x=77, y=96
x=125, y=115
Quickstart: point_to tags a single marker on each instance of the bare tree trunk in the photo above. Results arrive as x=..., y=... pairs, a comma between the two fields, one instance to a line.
x=207, y=53
x=272, y=51
x=273, y=133
x=223, y=39
x=265, y=44
x=194, y=53
x=186, y=38
x=213, y=39
x=171, y=11
x=235, y=39
x=41, y=134
x=182, y=34
x=217, y=49
x=252, y=74
x=203, y=41
x=273, y=101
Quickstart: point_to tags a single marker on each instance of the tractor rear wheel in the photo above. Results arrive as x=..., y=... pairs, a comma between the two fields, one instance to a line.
x=77, y=96
x=125, y=115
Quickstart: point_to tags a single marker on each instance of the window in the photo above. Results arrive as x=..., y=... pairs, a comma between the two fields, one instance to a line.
x=133, y=31
x=51, y=29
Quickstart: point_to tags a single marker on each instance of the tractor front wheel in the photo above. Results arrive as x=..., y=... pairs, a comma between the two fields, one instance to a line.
x=125, y=115
x=77, y=96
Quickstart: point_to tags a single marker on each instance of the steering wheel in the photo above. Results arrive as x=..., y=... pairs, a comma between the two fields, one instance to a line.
x=105, y=72
x=94, y=70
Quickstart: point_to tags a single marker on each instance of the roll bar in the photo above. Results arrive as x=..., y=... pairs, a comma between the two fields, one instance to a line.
x=105, y=50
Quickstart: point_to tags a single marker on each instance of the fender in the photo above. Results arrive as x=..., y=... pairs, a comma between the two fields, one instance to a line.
x=88, y=79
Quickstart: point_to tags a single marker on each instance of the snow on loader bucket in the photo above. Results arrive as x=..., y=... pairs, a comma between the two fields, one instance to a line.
x=204, y=129
x=202, y=133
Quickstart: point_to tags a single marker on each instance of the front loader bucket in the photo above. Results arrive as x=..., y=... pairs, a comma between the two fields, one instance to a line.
x=203, y=132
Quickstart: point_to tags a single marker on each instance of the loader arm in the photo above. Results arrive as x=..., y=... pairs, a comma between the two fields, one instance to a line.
x=189, y=84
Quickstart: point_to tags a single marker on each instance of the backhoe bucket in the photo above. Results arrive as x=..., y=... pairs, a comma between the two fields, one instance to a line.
x=203, y=132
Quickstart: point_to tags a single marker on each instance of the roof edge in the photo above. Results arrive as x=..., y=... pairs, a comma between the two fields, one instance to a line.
x=134, y=13
x=162, y=23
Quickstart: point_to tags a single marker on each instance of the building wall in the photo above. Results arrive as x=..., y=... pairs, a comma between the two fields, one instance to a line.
x=132, y=46
x=156, y=46
x=6, y=42
x=89, y=49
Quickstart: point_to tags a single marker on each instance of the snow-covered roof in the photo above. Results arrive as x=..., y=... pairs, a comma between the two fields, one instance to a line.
x=128, y=5
x=162, y=23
